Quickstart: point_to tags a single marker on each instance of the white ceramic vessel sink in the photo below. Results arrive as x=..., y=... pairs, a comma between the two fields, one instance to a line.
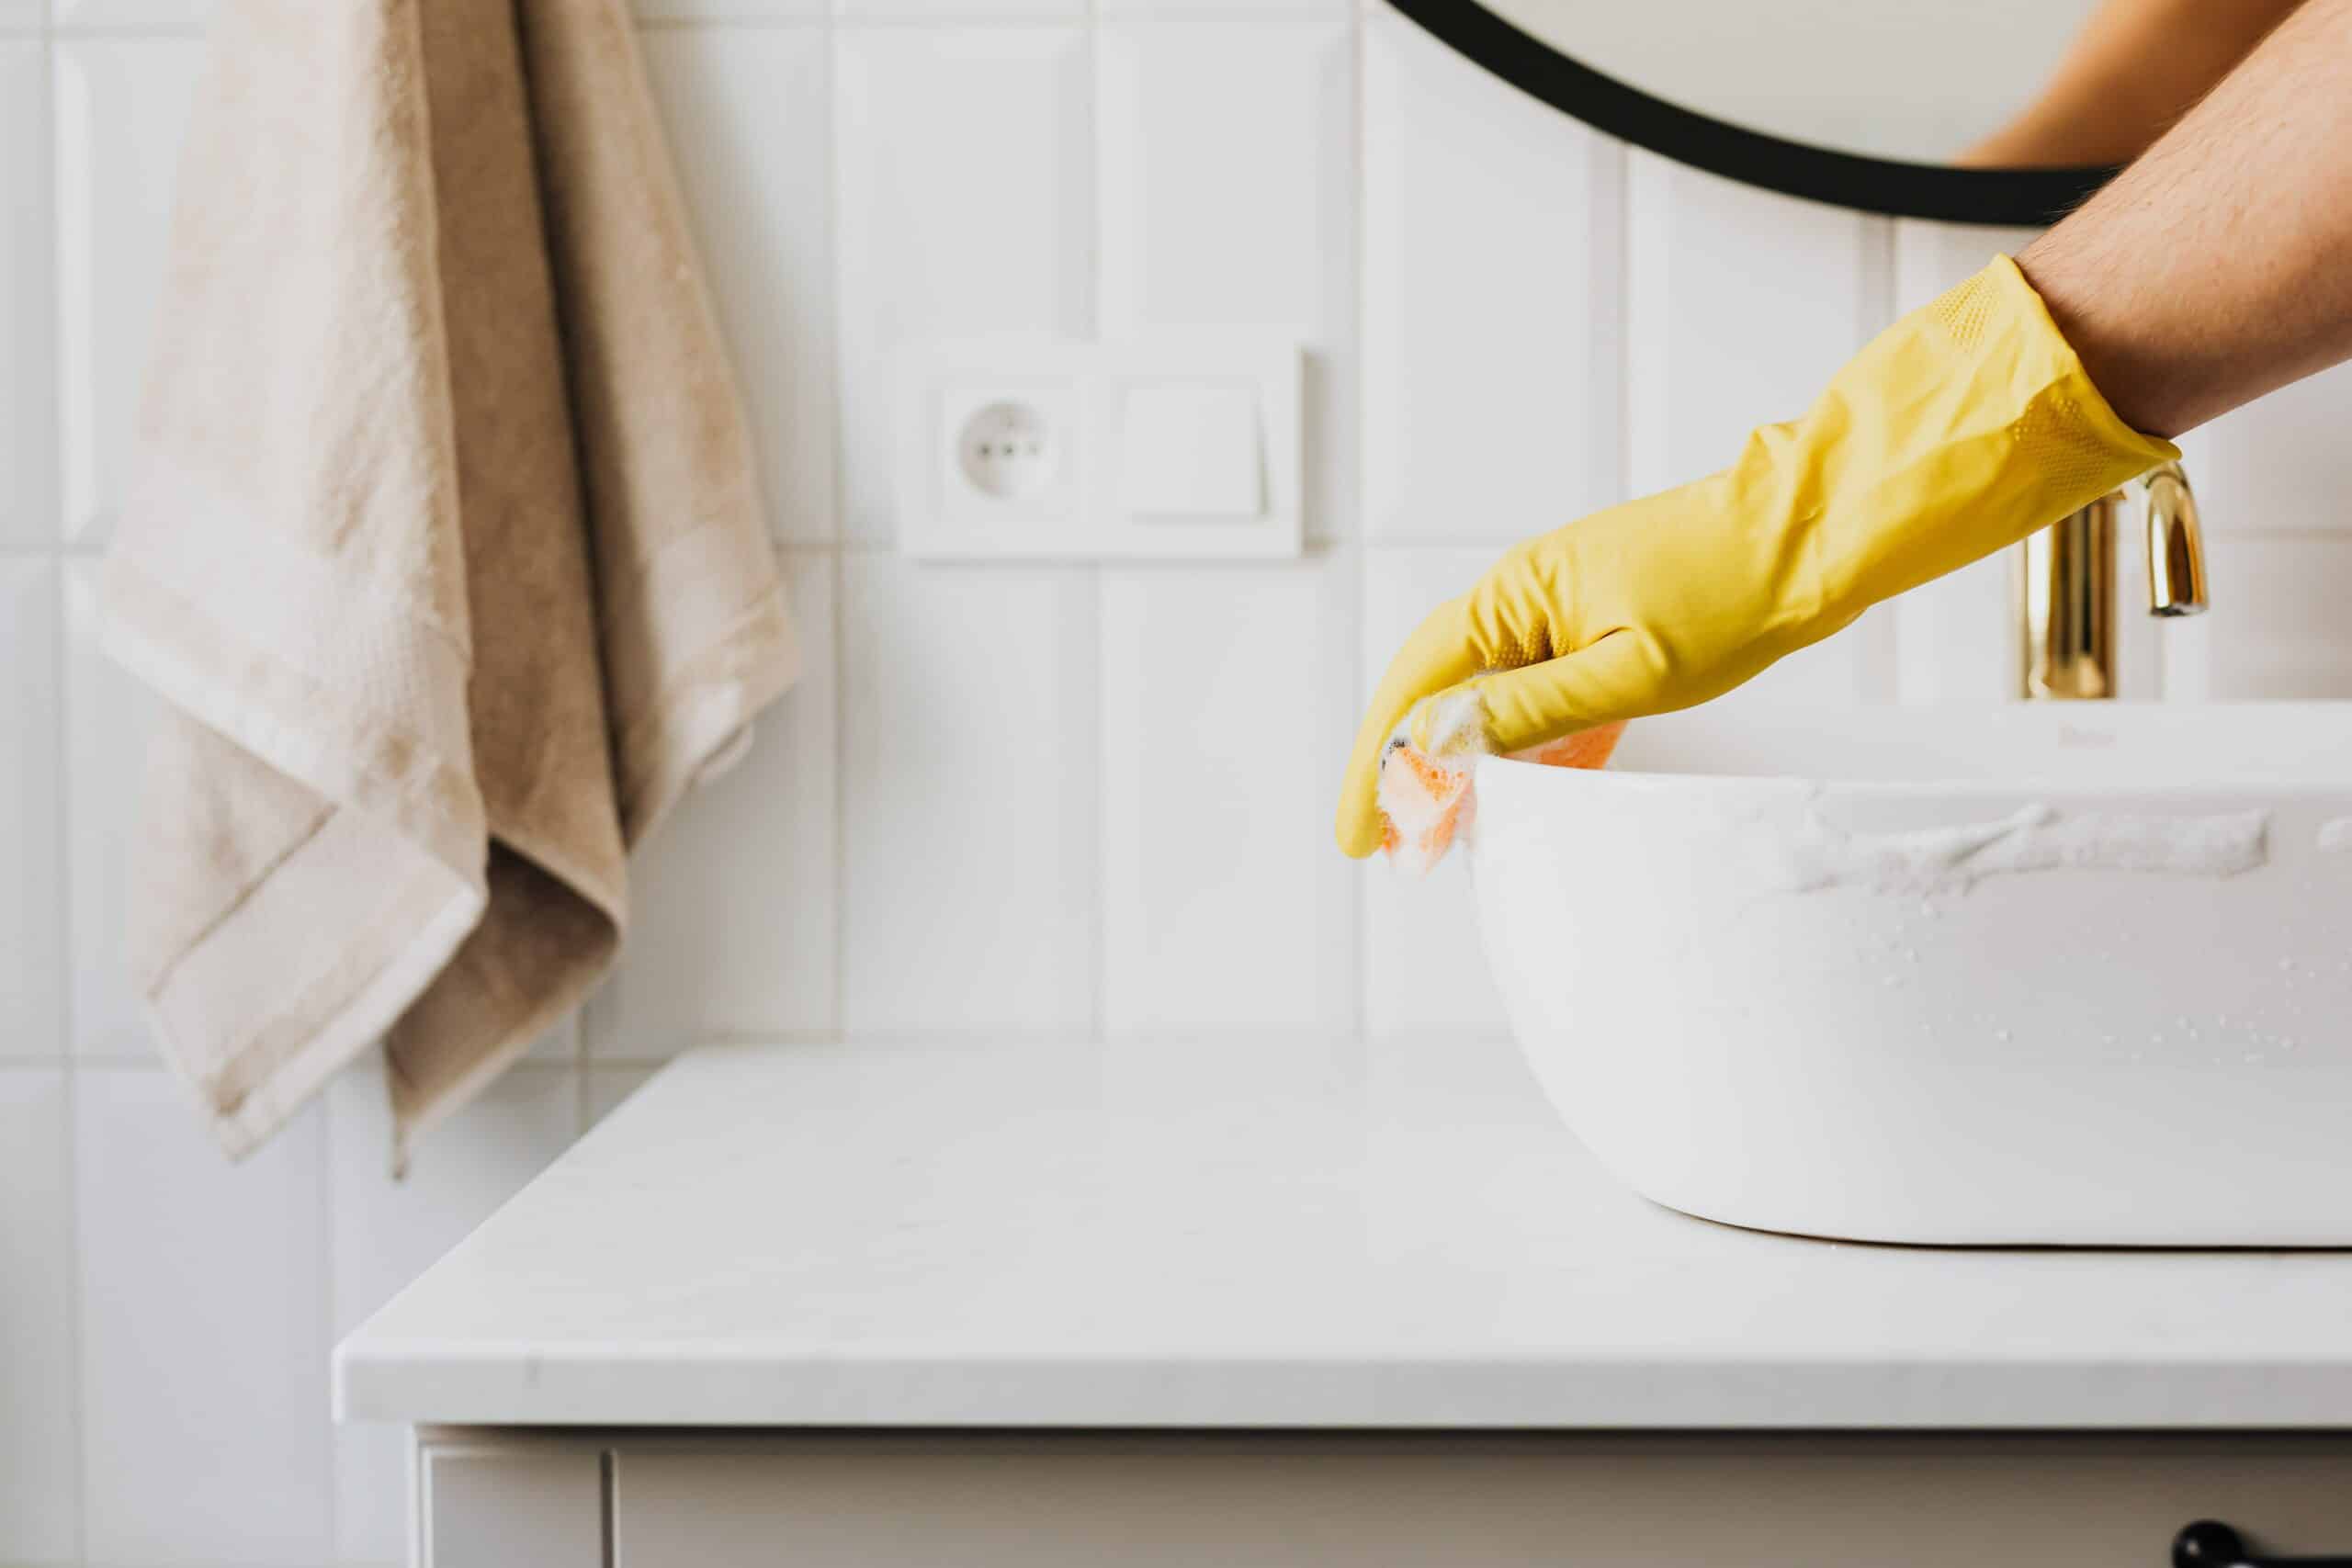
x=2067, y=974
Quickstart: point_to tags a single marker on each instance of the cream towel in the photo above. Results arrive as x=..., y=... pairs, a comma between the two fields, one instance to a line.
x=442, y=545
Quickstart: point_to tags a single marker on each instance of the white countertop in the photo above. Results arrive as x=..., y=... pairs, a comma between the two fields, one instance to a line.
x=1260, y=1234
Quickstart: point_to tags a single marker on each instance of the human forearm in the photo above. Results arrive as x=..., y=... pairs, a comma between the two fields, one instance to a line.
x=2133, y=71
x=2219, y=267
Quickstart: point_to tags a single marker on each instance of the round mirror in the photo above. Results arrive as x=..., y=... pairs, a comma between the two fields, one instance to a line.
x=1905, y=107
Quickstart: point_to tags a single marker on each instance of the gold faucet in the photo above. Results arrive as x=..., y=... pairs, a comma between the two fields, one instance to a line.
x=2067, y=585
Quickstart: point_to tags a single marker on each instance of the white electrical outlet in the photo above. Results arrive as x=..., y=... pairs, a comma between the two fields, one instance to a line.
x=1009, y=449
x=1003, y=452
x=1059, y=450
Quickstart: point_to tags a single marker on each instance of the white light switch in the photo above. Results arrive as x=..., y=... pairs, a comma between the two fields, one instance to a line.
x=1191, y=451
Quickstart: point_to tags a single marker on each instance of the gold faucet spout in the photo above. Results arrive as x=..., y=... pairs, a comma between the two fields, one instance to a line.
x=2175, y=544
x=2066, y=585
x=2067, y=579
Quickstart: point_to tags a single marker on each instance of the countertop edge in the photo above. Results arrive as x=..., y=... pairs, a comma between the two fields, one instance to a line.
x=422, y=1386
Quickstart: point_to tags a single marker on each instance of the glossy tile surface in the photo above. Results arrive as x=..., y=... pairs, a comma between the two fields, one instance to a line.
x=205, y=1436
x=39, y=1469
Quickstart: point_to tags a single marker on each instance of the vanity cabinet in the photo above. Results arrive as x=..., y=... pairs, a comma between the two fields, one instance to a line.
x=1047, y=1304
x=1078, y=1500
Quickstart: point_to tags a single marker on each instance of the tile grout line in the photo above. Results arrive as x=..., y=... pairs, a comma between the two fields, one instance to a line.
x=1880, y=681
x=331, y=1445
x=1098, y=962
x=836, y=528
x=1621, y=307
x=68, y=1023
x=135, y=32
x=1359, y=1009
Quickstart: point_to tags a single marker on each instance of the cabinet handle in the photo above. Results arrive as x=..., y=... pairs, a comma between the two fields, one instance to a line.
x=2210, y=1543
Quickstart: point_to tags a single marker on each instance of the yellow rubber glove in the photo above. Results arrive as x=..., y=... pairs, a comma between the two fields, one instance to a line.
x=1961, y=428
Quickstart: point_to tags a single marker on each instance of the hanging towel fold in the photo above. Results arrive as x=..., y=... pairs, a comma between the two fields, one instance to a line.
x=443, y=547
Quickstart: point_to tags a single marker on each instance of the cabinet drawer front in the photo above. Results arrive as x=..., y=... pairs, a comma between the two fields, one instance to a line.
x=489, y=1506
x=1786, y=1501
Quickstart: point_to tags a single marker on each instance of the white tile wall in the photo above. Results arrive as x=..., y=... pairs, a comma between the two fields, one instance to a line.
x=1491, y=249
x=969, y=740
x=27, y=440
x=1246, y=217
x=728, y=10
x=1059, y=799
x=958, y=10
x=130, y=15
x=2282, y=465
x=108, y=716
x=749, y=109
x=32, y=975
x=2298, y=648
x=963, y=189
x=1224, y=904
x=1740, y=304
x=40, y=1467
x=1218, y=8
x=121, y=103
x=204, y=1333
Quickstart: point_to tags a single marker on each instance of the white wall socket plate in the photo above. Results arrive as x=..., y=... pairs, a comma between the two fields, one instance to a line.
x=1052, y=449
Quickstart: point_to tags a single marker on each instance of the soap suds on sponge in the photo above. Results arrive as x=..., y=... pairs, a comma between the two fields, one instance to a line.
x=1424, y=791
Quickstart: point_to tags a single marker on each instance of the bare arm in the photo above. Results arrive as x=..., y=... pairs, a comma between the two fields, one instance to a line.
x=2133, y=71
x=2219, y=267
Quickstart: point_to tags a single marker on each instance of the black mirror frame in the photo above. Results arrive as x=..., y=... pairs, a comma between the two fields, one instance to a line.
x=2016, y=197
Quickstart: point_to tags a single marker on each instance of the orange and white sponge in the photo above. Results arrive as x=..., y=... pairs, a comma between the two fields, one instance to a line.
x=1425, y=791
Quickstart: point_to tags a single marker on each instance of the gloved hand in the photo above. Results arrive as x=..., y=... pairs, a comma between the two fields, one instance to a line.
x=1961, y=428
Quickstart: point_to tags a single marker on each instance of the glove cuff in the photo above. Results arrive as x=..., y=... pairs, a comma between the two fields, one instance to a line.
x=2000, y=431
x=2071, y=431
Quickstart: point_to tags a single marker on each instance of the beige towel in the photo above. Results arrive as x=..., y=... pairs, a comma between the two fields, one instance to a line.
x=443, y=547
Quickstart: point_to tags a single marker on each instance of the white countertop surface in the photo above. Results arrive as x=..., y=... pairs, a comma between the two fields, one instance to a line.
x=1260, y=1235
